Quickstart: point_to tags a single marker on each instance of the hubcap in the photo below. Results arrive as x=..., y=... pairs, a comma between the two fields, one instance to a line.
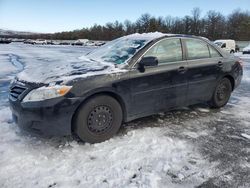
x=100, y=119
x=222, y=92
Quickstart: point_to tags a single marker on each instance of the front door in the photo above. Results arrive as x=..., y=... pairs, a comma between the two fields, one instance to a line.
x=160, y=87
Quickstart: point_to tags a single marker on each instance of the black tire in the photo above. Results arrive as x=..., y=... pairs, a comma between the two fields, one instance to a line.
x=232, y=51
x=221, y=93
x=98, y=119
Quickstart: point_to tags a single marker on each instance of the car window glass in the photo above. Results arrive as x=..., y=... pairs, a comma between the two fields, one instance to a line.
x=214, y=52
x=118, y=51
x=196, y=49
x=168, y=50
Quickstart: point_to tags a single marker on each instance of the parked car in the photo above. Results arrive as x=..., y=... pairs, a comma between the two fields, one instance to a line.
x=40, y=41
x=50, y=42
x=99, y=43
x=64, y=43
x=4, y=41
x=228, y=45
x=90, y=43
x=246, y=50
x=17, y=40
x=80, y=42
x=128, y=78
x=29, y=41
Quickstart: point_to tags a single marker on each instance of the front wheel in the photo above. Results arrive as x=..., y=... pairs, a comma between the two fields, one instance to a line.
x=221, y=94
x=98, y=119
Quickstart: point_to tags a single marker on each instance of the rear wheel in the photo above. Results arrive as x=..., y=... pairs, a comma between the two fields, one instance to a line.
x=222, y=93
x=98, y=119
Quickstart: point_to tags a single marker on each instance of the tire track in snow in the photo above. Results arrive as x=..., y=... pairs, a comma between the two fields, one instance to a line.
x=15, y=61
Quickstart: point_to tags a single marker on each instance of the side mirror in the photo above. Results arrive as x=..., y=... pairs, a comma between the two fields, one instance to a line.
x=147, y=62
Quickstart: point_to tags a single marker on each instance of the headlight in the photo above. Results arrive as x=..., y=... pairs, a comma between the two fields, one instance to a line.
x=43, y=93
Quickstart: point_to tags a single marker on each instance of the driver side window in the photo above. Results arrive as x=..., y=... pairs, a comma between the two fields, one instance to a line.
x=223, y=45
x=167, y=50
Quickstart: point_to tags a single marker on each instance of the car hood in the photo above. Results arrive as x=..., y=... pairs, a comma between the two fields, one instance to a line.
x=52, y=72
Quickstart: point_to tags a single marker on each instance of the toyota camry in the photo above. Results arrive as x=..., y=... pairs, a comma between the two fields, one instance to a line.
x=128, y=78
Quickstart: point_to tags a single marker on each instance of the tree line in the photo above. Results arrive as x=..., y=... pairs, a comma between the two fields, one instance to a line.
x=212, y=25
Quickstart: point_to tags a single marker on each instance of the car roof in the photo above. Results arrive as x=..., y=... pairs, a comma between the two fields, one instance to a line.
x=155, y=35
x=225, y=40
x=158, y=35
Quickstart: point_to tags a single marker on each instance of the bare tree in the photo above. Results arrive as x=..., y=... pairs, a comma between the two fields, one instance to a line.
x=195, y=25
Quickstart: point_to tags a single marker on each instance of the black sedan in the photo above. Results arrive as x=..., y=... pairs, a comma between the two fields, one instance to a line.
x=128, y=78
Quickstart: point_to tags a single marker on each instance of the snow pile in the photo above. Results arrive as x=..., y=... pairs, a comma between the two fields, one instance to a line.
x=147, y=36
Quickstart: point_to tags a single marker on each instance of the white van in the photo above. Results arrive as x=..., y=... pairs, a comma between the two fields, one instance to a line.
x=227, y=44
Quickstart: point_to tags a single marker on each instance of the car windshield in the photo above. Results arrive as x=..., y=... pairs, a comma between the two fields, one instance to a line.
x=118, y=51
x=218, y=43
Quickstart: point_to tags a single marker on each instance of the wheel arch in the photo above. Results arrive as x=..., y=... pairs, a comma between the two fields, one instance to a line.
x=231, y=79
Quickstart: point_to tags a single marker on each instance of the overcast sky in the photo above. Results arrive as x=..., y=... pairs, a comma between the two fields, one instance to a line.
x=65, y=15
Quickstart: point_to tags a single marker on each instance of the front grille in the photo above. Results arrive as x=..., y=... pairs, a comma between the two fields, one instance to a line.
x=16, y=91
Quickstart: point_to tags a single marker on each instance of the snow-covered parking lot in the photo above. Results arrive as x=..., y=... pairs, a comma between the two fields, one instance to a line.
x=190, y=147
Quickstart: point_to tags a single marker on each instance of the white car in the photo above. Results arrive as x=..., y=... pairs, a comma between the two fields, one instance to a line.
x=90, y=43
x=40, y=41
x=246, y=50
x=81, y=42
x=227, y=44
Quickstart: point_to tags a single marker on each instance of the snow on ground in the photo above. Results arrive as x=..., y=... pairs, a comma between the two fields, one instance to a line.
x=192, y=146
x=244, y=57
x=133, y=159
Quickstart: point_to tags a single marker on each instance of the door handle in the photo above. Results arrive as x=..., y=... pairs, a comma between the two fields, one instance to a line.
x=220, y=64
x=182, y=69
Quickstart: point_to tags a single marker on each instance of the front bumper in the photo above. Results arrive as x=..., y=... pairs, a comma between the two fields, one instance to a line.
x=49, y=117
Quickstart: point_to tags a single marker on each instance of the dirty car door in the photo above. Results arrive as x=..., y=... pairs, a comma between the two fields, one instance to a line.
x=160, y=87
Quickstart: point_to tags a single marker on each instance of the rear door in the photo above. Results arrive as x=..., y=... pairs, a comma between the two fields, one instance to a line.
x=204, y=67
x=160, y=87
